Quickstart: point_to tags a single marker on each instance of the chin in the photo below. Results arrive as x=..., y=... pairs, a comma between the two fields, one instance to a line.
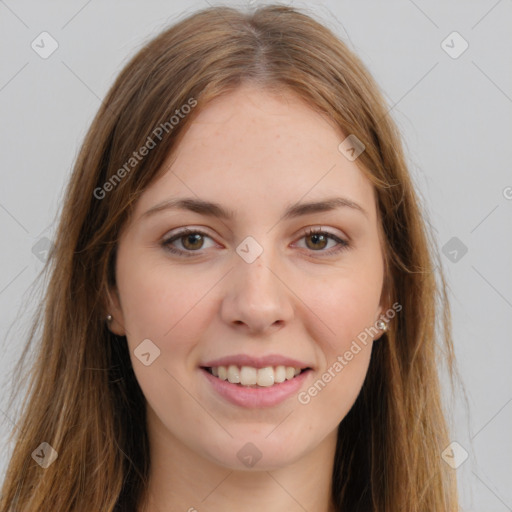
x=257, y=452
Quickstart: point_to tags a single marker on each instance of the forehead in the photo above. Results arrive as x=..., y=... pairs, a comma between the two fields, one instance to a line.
x=252, y=147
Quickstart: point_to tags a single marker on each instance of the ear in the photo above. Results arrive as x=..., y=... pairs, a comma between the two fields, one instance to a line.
x=384, y=306
x=116, y=325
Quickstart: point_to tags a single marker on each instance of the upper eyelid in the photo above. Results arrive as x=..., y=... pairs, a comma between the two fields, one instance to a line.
x=185, y=231
x=201, y=230
x=308, y=230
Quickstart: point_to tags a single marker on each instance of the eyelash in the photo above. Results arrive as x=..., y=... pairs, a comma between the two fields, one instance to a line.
x=342, y=244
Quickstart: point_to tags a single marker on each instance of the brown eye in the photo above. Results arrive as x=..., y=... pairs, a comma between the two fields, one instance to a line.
x=186, y=242
x=318, y=241
x=192, y=241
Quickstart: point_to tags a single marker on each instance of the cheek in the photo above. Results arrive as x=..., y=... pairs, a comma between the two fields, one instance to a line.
x=343, y=326
x=165, y=306
x=158, y=300
x=348, y=310
x=345, y=306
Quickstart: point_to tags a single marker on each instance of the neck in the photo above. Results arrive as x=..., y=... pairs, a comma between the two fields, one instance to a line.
x=182, y=480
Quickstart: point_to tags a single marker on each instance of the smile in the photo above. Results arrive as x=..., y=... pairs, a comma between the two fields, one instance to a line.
x=249, y=376
x=249, y=393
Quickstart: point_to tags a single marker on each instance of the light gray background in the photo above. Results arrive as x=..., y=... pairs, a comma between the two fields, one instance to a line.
x=455, y=117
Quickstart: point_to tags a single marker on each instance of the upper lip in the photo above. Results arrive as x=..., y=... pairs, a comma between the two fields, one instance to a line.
x=256, y=362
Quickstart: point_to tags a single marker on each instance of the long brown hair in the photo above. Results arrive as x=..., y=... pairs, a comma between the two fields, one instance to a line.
x=83, y=398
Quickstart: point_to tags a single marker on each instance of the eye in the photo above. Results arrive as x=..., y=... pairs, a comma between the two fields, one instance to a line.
x=192, y=240
x=317, y=239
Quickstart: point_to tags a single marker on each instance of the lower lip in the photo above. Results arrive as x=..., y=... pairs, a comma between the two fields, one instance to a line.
x=257, y=397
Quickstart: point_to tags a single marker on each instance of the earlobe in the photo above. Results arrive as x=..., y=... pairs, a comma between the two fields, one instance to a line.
x=382, y=325
x=114, y=318
x=382, y=321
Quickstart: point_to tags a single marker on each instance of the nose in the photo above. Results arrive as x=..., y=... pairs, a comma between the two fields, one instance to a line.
x=257, y=299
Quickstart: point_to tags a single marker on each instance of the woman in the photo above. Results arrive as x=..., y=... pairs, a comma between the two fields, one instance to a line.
x=242, y=303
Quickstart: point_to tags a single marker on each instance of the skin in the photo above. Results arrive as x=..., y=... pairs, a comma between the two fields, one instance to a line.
x=256, y=153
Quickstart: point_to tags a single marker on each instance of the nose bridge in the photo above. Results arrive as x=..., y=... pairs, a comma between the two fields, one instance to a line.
x=256, y=297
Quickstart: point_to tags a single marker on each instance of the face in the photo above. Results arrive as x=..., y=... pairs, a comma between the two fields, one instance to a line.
x=259, y=288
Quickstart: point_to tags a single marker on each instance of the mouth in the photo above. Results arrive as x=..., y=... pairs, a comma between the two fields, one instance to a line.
x=251, y=377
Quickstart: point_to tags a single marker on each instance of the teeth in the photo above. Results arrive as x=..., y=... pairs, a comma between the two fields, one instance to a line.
x=233, y=374
x=249, y=376
x=265, y=377
x=280, y=374
x=223, y=373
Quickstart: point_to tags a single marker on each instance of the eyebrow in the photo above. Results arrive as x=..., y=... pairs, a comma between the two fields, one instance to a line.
x=211, y=209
